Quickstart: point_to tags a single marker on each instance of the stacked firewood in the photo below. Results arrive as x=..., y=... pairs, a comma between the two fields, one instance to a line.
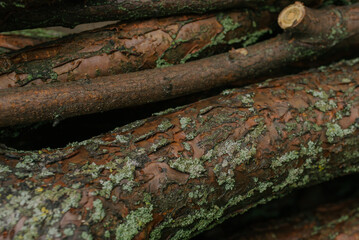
x=292, y=120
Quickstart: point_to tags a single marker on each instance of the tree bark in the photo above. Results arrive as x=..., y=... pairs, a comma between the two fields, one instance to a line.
x=330, y=221
x=179, y=173
x=317, y=31
x=15, y=42
x=72, y=13
x=122, y=48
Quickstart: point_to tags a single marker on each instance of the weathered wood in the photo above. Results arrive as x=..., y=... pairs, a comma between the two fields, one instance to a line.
x=122, y=48
x=177, y=174
x=71, y=13
x=318, y=31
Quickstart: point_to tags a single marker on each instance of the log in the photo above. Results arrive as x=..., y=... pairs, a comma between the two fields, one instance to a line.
x=311, y=33
x=337, y=221
x=71, y=13
x=122, y=48
x=183, y=171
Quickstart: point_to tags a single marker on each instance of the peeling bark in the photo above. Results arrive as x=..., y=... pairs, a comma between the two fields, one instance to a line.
x=71, y=13
x=122, y=48
x=335, y=221
x=179, y=173
x=318, y=31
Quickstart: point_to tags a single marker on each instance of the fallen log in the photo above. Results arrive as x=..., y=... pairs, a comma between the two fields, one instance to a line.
x=328, y=221
x=309, y=32
x=181, y=172
x=122, y=48
x=71, y=13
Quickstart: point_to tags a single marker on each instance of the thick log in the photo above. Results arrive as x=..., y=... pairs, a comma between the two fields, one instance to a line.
x=313, y=32
x=335, y=221
x=179, y=173
x=71, y=13
x=123, y=48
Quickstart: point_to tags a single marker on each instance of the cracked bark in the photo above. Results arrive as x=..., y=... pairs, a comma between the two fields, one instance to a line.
x=122, y=48
x=318, y=31
x=72, y=13
x=179, y=173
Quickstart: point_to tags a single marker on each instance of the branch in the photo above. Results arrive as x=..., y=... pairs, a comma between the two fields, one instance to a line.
x=72, y=13
x=31, y=104
x=123, y=48
x=177, y=174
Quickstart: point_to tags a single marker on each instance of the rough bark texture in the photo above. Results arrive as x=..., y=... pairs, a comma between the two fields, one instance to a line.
x=320, y=30
x=179, y=173
x=337, y=221
x=72, y=13
x=122, y=48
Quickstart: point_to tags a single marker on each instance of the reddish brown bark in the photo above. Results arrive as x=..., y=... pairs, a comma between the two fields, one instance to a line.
x=335, y=221
x=36, y=103
x=177, y=174
x=71, y=13
x=16, y=42
x=122, y=48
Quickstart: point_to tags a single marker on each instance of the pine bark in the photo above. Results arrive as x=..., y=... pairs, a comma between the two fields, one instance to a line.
x=181, y=172
x=123, y=48
x=318, y=31
x=71, y=13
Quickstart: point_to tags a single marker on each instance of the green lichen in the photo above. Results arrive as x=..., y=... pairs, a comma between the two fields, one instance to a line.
x=325, y=106
x=134, y=222
x=71, y=202
x=228, y=91
x=69, y=231
x=107, y=187
x=311, y=150
x=122, y=138
x=159, y=144
x=165, y=125
x=292, y=179
x=246, y=99
x=86, y=236
x=186, y=146
x=194, y=167
x=185, y=121
x=98, y=213
x=287, y=157
x=335, y=131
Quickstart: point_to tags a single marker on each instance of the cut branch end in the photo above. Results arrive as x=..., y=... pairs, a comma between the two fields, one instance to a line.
x=291, y=16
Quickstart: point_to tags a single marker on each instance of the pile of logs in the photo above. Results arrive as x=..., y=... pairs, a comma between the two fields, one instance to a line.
x=185, y=169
